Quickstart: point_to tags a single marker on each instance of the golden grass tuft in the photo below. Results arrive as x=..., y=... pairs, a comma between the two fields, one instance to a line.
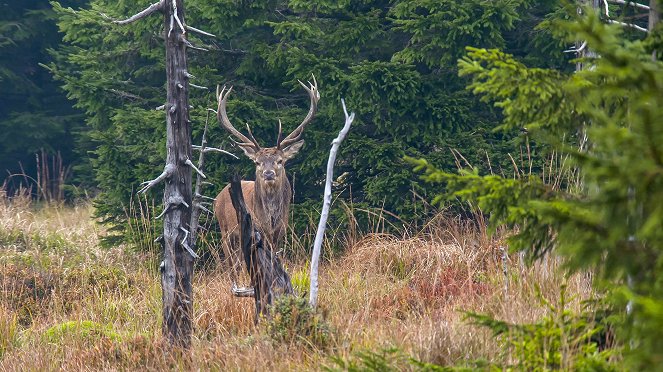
x=104, y=305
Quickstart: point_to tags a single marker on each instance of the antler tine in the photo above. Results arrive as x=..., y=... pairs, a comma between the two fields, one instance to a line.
x=278, y=138
x=251, y=137
x=222, y=117
x=296, y=134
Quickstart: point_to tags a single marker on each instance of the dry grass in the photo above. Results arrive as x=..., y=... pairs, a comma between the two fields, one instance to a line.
x=67, y=304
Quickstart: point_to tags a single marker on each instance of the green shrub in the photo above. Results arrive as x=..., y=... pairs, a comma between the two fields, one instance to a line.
x=561, y=340
x=301, y=281
x=292, y=319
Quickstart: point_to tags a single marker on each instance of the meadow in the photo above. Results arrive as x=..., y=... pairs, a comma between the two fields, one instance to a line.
x=67, y=303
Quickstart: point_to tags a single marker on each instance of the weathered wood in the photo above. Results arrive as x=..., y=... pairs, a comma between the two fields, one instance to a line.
x=326, y=203
x=178, y=262
x=654, y=15
x=268, y=278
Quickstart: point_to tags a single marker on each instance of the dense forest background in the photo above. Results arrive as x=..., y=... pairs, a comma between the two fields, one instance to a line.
x=394, y=62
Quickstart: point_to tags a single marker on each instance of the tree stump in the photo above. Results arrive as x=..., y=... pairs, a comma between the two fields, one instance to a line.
x=268, y=278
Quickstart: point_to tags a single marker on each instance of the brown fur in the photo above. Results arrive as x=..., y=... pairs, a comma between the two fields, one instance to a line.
x=267, y=201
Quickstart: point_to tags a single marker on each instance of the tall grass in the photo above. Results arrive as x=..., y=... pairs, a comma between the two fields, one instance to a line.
x=66, y=303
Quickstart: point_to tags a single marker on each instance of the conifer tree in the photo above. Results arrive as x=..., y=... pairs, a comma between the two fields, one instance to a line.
x=393, y=61
x=611, y=222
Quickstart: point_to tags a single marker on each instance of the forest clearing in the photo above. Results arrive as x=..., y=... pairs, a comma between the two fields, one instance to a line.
x=406, y=185
x=68, y=304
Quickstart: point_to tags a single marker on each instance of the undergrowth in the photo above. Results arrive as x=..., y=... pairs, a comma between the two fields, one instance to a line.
x=67, y=303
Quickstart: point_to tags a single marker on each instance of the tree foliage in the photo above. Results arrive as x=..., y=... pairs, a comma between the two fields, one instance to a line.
x=34, y=113
x=393, y=61
x=607, y=215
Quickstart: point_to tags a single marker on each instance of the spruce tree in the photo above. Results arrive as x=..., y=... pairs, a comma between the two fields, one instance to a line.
x=601, y=209
x=384, y=57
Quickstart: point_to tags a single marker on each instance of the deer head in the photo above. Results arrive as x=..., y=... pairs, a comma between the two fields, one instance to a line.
x=269, y=161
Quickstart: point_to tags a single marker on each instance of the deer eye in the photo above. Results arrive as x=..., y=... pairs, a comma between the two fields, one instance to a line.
x=257, y=163
x=279, y=162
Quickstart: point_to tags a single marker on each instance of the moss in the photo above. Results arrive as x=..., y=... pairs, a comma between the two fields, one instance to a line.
x=85, y=330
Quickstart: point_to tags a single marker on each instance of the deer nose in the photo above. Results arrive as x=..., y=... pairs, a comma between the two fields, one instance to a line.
x=269, y=175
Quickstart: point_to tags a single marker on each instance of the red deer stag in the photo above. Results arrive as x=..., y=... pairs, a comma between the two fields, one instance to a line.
x=268, y=197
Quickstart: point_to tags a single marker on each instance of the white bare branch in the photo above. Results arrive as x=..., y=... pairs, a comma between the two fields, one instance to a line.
x=193, y=166
x=160, y=108
x=142, y=14
x=203, y=208
x=213, y=149
x=191, y=46
x=631, y=25
x=319, y=235
x=204, y=197
x=198, y=86
x=168, y=170
x=186, y=245
x=579, y=50
x=179, y=23
x=631, y=3
x=198, y=31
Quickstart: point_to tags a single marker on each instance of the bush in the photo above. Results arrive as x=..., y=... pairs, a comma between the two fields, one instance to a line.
x=294, y=320
x=562, y=340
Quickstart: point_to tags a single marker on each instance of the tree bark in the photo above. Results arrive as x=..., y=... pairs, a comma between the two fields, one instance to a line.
x=268, y=278
x=654, y=14
x=178, y=261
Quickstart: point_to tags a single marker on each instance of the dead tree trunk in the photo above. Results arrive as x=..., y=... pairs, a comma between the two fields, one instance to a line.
x=178, y=256
x=268, y=278
x=177, y=239
x=654, y=14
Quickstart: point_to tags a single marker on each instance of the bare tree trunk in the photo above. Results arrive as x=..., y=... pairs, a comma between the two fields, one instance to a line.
x=179, y=230
x=326, y=203
x=178, y=261
x=268, y=278
x=654, y=14
x=654, y=19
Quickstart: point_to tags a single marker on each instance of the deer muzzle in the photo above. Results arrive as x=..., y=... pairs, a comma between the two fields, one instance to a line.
x=269, y=175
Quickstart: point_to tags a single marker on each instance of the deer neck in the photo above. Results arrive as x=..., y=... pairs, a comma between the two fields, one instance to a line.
x=271, y=204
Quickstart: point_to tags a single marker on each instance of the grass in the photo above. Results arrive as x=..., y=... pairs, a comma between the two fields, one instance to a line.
x=68, y=304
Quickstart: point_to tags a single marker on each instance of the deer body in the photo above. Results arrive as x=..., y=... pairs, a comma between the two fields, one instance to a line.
x=268, y=206
x=268, y=197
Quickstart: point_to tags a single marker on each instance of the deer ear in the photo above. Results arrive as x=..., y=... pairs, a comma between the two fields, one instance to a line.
x=249, y=151
x=292, y=150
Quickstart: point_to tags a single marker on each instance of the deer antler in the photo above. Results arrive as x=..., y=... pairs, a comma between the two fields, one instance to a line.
x=296, y=134
x=222, y=116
